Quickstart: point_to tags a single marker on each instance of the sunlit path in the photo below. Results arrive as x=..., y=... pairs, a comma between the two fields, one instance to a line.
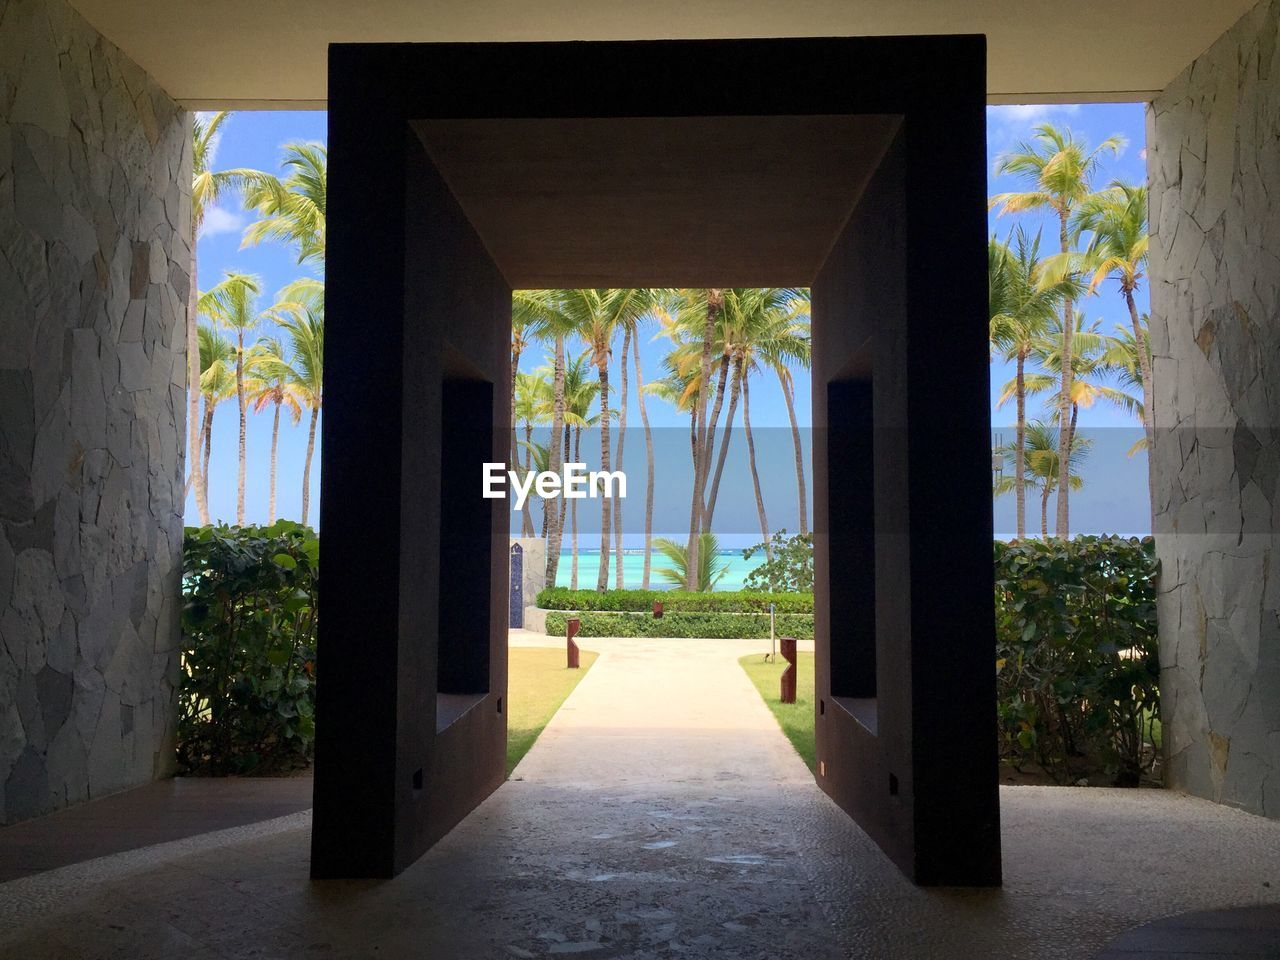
x=661, y=815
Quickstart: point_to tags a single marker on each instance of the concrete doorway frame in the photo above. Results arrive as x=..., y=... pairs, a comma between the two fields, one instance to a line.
x=412, y=726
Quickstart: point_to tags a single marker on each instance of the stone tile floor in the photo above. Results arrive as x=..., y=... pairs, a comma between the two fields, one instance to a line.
x=661, y=815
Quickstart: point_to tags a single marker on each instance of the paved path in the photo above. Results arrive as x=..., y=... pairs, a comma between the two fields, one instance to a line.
x=156, y=813
x=662, y=815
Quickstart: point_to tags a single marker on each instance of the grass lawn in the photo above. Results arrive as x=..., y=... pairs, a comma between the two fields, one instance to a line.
x=796, y=719
x=537, y=683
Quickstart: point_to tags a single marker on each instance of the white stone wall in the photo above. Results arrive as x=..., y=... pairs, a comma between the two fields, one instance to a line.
x=94, y=231
x=1214, y=164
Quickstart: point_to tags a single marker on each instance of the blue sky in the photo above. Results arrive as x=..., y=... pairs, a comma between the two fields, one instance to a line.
x=1114, y=497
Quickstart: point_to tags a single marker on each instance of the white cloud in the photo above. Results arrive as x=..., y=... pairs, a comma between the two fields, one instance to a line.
x=217, y=220
x=1029, y=114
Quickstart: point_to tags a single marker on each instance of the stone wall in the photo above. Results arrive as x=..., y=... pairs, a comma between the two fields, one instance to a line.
x=1214, y=162
x=94, y=232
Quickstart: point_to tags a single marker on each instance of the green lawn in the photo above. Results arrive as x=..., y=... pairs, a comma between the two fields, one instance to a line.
x=796, y=719
x=537, y=683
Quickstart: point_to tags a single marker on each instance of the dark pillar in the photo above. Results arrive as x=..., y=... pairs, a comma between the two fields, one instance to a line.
x=902, y=504
x=412, y=661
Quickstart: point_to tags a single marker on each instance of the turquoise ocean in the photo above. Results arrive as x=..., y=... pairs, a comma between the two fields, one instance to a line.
x=633, y=569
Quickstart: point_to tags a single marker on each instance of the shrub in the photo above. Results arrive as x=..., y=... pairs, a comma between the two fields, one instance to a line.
x=681, y=601
x=789, y=570
x=1077, y=658
x=247, y=695
x=684, y=625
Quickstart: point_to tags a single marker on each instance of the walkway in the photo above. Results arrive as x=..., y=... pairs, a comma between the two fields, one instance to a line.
x=661, y=815
x=157, y=813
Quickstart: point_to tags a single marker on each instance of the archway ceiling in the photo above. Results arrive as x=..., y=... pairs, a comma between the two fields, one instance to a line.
x=249, y=53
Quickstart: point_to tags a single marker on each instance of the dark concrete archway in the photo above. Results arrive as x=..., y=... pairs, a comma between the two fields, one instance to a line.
x=460, y=172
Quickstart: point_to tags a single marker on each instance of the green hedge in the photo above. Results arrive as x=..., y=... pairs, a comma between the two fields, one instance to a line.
x=247, y=695
x=680, y=601
x=1076, y=656
x=684, y=625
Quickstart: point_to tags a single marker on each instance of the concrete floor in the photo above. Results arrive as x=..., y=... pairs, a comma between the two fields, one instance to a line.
x=661, y=815
x=157, y=813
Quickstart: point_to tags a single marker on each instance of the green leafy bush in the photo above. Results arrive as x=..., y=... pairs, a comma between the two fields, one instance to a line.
x=789, y=567
x=1077, y=655
x=247, y=697
x=681, y=601
x=684, y=625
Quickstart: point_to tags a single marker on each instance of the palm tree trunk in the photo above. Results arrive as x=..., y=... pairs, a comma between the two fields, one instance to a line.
x=564, y=502
x=735, y=386
x=648, y=452
x=240, y=402
x=202, y=470
x=755, y=476
x=709, y=442
x=202, y=492
x=1044, y=511
x=515, y=369
x=1148, y=400
x=553, y=514
x=1020, y=443
x=602, y=368
x=194, y=421
x=802, y=493
x=306, y=465
x=526, y=515
x=1063, y=522
x=701, y=457
x=622, y=439
x=275, y=441
x=573, y=510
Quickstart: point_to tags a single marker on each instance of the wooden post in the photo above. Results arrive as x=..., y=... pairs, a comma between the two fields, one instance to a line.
x=573, y=626
x=787, y=646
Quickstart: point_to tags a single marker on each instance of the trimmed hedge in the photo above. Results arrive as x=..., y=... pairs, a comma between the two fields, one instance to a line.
x=678, y=601
x=711, y=626
x=1077, y=668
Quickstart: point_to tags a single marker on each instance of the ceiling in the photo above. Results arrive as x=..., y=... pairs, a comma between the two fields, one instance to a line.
x=720, y=201
x=247, y=53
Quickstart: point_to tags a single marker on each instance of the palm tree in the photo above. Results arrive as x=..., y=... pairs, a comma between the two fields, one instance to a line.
x=710, y=570
x=300, y=313
x=757, y=328
x=595, y=315
x=233, y=305
x=1059, y=168
x=1117, y=219
x=1023, y=308
x=648, y=453
x=532, y=400
x=292, y=210
x=270, y=384
x=777, y=337
x=1095, y=362
x=1040, y=470
x=217, y=382
x=684, y=322
x=208, y=186
x=539, y=314
x=580, y=393
x=799, y=311
x=691, y=320
x=525, y=319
